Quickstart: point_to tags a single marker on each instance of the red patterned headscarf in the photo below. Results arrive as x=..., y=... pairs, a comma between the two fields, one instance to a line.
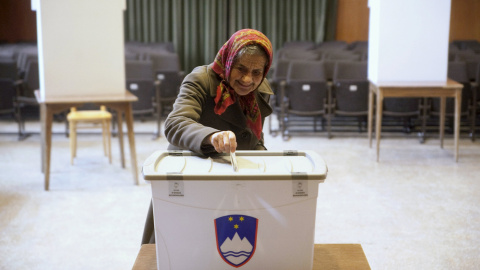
x=222, y=65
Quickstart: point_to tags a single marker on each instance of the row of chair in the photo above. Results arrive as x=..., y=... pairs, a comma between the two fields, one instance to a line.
x=154, y=76
x=303, y=91
x=153, y=73
x=326, y=45
x=156, y=83
x=465, y=45
x=333, y=50
x=459, y=50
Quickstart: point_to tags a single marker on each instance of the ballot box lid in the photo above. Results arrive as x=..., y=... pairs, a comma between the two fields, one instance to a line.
x=252, y=165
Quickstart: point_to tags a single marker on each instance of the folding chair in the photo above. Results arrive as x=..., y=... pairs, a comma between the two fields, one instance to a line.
x=306, y=94
x=350, y=90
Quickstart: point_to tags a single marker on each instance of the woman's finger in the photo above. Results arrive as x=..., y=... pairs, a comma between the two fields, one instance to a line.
x=224, y=141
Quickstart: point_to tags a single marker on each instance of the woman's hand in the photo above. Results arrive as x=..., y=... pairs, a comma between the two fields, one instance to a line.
x=224, y=141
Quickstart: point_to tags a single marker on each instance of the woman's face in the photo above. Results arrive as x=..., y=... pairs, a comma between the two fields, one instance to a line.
x=247, y=73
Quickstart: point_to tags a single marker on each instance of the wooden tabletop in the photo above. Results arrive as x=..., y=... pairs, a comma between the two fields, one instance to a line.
x=411, y=90
x=125, y=97
x=327, y=256
x=448, y=84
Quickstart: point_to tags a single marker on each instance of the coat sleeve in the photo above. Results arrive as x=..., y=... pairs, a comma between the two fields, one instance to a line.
x=182, y=127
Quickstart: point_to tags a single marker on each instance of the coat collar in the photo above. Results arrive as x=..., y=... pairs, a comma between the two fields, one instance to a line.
x=233, y=114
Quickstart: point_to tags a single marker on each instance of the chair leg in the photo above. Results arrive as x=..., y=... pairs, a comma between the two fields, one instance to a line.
x=474, y=115
x=113, y=120
x=109, y=141
x=270, y=124
x=104, y=137
x=21, y=123
x=359, y=120
x=329, y=126
x=73, y=143
x=285, y=133
x=67, y=129
x=158, y=116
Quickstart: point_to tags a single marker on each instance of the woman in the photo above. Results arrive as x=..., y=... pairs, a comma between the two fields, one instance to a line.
x=222, y=107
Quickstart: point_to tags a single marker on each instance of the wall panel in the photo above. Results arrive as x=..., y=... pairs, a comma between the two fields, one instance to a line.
x=352, y=20
x=17, y=20
x=465, y=20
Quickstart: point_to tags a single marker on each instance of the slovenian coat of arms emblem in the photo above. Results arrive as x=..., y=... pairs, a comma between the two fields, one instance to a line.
x=236, y=238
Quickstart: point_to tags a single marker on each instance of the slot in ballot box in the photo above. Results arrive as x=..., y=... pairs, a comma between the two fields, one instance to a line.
x=208, y=216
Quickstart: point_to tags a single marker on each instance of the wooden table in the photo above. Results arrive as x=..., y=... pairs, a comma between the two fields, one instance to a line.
x=326, y=256
x=119, y=103
x=449, y=89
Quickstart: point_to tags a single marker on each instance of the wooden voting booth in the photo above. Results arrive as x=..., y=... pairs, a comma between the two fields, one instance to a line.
x=80, y=47
x=408, y=57
x=81, y=60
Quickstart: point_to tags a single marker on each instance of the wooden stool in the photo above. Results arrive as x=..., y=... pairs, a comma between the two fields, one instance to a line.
x=95, y=117
x=326, y=256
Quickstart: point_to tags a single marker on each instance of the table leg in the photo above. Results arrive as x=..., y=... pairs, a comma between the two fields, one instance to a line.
x=120, y=136
x=458, y=105
x=47, y=122
x=370, y=114
x=43, y=112
x=474, y=114
x=424, y=120
x=158, y=105
x=443, y=102
x=131, y=140
x=378, y=125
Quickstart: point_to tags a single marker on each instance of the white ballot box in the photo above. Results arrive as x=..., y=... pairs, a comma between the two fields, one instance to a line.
x=208, y=216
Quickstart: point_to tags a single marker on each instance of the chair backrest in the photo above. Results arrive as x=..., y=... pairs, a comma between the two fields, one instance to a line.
x=164, y=62
x=466, y=44
x=361, y=46
x=350, y=70
x=342, y=55
x=8, y=69
x=350, y=88
x=291, y=54
x=167, y=70
x=329, y=67
x=170, y=84
x=458, y=71
x=280, y=70
x=161, y=46
x=144, y=90
x=7, y=94
x=131, y=55
x=142, y=50
x=306, y=88
x=471, y=59
x=306, y=70
x=401, y=106
x=299, y=44
x=472, y=66
x=31, y=79
x=477, y=77
x=24, y=59
x=279, y=75
x=333, y=45
x=6, y=53
x=137, y=69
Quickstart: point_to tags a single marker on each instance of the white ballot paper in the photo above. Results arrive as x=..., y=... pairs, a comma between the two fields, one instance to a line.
x=233, y=159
